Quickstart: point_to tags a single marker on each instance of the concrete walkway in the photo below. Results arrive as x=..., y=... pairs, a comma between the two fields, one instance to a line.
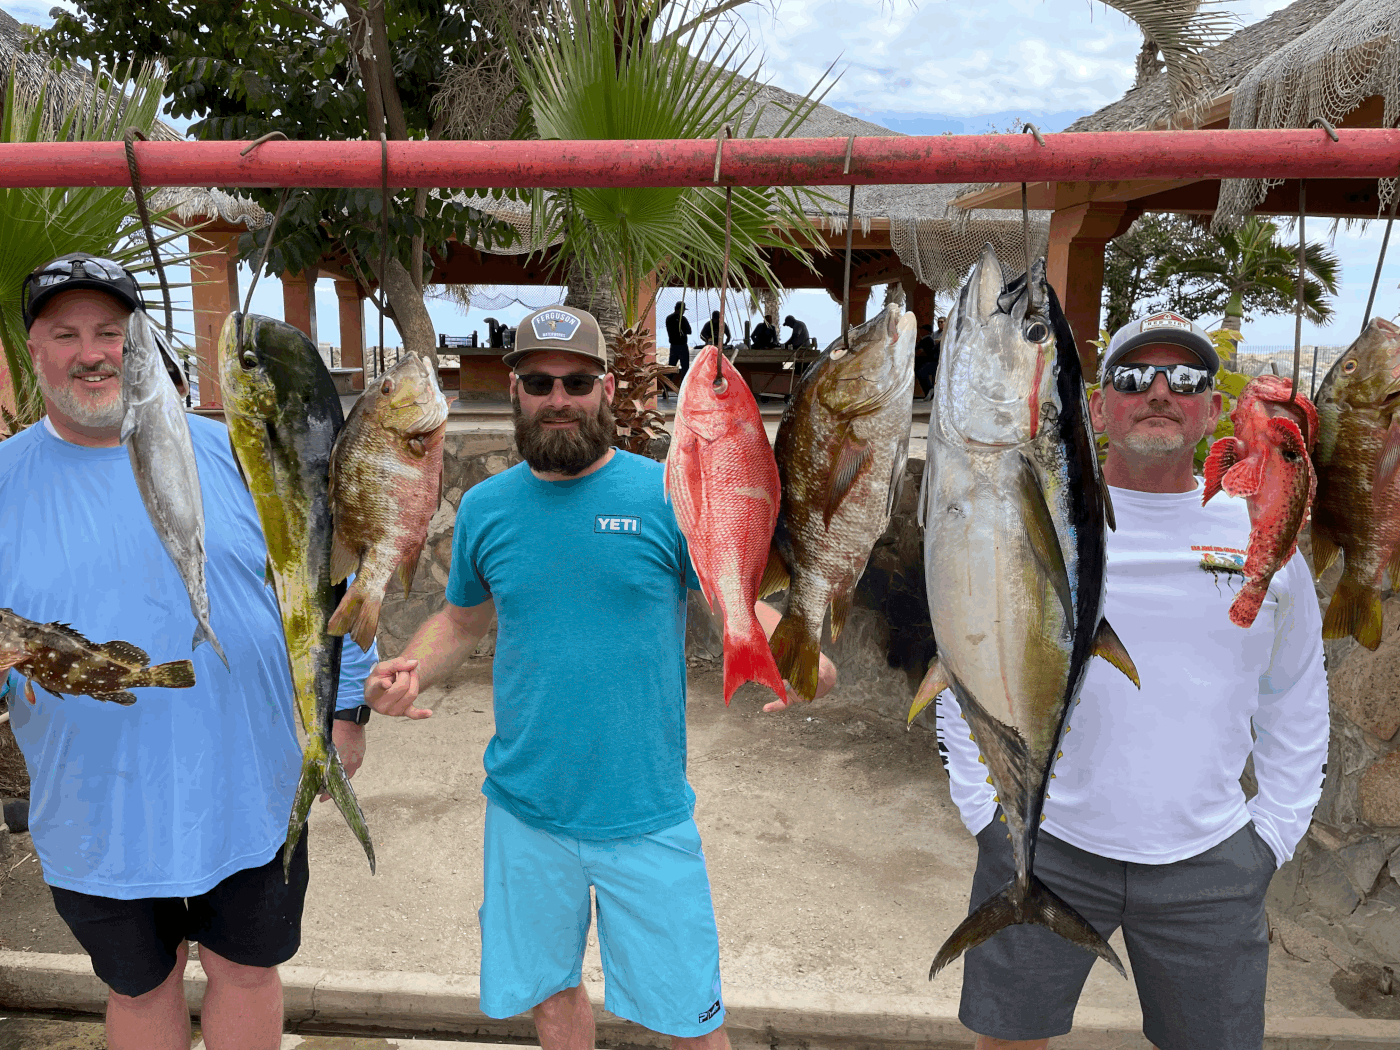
x=838, y=865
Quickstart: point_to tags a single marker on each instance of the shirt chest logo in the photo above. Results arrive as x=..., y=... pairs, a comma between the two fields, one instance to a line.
x=617, y=523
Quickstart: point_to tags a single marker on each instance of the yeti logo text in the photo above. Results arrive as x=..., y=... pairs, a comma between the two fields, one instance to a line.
x=609, y=523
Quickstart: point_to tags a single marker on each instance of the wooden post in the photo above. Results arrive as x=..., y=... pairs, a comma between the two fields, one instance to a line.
x=214, y=280
x=918, y=299
x=1074, y=265
x=352, y=329
x=860, y=299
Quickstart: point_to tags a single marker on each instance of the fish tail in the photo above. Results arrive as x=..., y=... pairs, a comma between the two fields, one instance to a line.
x=1355, y=610
x=797, y=654
x=323, y=772
x=1007, y=907
x=357, y=614
x=747, y=658
x=177, y=674
x=204, y=633
x=1248, y=602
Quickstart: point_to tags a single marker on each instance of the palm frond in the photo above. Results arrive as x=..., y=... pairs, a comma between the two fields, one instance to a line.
x=1181, y=29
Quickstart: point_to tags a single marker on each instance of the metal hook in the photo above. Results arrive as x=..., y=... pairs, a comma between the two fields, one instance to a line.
x=724, y=274
x=384, y=240
x=259, y=141
x=262, y=256
x=719, y=149
x=1028, y=126
x=1325, y=125
x=132, y=134
x=850, y=142
x=1380, y=260
x=1298, y=316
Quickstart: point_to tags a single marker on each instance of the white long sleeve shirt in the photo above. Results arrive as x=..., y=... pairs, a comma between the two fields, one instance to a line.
x=1153, y=776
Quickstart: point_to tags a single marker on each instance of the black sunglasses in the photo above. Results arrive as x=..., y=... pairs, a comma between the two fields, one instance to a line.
x=1181, y=379
x=541, y=384
x=61, y=270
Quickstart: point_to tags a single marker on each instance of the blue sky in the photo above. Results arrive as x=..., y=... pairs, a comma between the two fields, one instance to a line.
x=960, y=66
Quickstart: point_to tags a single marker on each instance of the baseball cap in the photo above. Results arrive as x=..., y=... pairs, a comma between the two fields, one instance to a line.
x=560, y=328
x=1164, y=327
x=74, y=271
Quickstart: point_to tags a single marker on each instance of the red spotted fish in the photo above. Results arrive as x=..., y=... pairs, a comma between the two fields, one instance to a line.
x=1267, y=464
x=65, y=663
x=723, y=480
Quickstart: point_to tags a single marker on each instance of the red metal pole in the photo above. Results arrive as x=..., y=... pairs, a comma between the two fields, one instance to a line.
x=1105, y=156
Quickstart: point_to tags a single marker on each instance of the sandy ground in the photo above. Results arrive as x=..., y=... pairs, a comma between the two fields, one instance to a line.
x=837, y=859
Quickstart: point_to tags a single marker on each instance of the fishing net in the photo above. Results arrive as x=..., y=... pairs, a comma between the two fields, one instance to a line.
x=1346, y=58
x=942, y=251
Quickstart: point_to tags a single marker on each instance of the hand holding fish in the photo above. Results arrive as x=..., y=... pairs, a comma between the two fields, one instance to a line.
x=392, y=687
x=769, y=618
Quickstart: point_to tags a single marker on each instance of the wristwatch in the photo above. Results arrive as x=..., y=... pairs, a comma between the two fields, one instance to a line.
x=358, y=715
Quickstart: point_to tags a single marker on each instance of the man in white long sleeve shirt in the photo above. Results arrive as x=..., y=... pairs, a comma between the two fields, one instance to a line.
x=1146, y=826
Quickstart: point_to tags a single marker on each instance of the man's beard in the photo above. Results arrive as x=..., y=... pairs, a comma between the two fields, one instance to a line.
x=82, y=411
x=1154, y=444
x=552, y=450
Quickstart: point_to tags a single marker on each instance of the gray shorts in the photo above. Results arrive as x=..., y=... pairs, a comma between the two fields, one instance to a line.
x=1197, y=940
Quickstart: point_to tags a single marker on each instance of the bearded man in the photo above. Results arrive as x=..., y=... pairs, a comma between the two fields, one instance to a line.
x=1146, y=825
x=578, y=553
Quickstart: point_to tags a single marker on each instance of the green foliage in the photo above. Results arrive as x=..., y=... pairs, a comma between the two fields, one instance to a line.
x=1133, y=283
x=38, y=224
x=244, y=68
x=632, y=72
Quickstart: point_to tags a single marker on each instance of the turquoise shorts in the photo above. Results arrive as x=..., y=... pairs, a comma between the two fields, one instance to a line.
x=656, y=923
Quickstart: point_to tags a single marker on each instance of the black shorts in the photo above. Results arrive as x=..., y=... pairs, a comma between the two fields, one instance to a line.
x=1195, y=930
x=252, y=918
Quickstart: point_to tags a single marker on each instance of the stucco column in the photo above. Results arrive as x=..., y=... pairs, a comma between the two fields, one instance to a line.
x=860, y=299
x=298, y=304
x=214, y=280
x=352, y=329
x=1074, y=264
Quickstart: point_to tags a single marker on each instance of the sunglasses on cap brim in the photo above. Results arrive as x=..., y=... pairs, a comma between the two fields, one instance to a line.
x=541, y=384
x=1181, y=379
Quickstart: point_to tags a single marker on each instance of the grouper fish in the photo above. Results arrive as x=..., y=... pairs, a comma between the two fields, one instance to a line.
x=1014, y=512
x=283, y=416
x=157, y=438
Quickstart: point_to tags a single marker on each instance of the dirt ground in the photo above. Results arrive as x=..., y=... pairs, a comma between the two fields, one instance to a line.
x=837, y=860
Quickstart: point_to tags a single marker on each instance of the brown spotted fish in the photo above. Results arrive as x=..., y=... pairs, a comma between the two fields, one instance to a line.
x=64, y=662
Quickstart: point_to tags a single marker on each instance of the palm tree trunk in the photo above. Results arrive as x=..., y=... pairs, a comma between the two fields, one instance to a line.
x=594, y=294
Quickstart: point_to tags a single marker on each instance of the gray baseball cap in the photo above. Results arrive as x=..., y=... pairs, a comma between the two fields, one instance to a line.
x=563, y=329
x=1164, y=327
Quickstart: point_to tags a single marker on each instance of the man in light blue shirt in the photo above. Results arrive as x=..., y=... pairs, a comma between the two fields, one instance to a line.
x=163, y=821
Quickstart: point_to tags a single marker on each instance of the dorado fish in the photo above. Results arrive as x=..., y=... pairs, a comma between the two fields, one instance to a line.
x=386, y=484
x=64, y=662
x=841, y=449
x=1014, y=512
x=283, y=417
x=157, y=438
x=1267, y=464
x=723, y=481
x=1357, y=510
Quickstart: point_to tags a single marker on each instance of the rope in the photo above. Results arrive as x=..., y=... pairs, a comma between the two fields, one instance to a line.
x=262, y=256
x=132, y=134
x=724, y=274
x=384, y=241
x=850, y=222
x=1380, y=259
x=1298, y=312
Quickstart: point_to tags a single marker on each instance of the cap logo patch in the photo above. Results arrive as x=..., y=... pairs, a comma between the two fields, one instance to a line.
x=555, y=324
x=1166, y=320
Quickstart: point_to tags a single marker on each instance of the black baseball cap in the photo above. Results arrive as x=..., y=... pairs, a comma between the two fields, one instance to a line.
x=75, y=271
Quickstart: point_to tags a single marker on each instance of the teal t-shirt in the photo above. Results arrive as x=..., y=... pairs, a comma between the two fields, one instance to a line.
x=169, y=796
x=589, y=578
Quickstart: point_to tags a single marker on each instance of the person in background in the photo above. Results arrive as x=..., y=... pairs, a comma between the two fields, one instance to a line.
x=164, y=821
x=709, y=330
x=800, y=339
x=678, y=335
x=926, y=359
x=765, y=335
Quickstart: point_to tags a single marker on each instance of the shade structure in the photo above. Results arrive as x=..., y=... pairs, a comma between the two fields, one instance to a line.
x=1286, y=153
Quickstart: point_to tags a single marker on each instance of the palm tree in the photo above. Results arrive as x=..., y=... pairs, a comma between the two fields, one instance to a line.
x=37, y=224
x=1252, y=270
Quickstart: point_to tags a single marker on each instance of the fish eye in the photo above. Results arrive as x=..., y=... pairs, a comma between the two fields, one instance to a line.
x=250, y=359
x=387, y=387
x=1036, y=332
x=1349, y=367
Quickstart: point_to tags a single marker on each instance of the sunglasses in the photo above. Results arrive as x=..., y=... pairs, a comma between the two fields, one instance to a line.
x=76, y=269
x=1181, y=379
x=541, y=384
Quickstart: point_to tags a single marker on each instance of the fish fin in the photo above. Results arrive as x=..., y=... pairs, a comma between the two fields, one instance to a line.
x=747, y=657
x=357, y=614
x=323, y=772
x=1324, y=551
x=1041, y=907
x=239, y=464
x=68, y=632
x=1220, y=459
x=268, y=576
x=1245, y=608
x=1393, y=568
x=205, y=633
x=775, y=575
x=852, y=456
x=1045, y=542
x=1244, y=478
x=901, y=459
x=344, y=561
x=177, y=674
x=797, y=654
x=407, y=568
x=29, y=692
x=128, y=425
x=1387, y=463
x=124, y=652
x=125, y=699
x=1108, y=645
x=1109, y=516
x=1354, y=610
x=935, y=681
x=840, y=610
